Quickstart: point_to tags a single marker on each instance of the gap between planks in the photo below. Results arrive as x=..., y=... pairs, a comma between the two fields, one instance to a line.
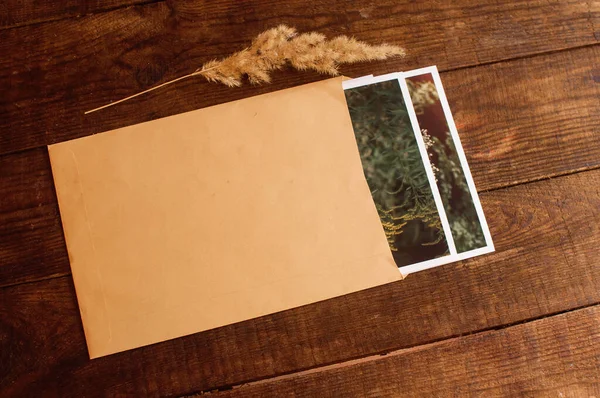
x=520, y=57
x=441, y=70
x=141, y=3
x=376, y=356
x=492, y=189
x=370, y=357
x=538, y=179
x=390, y=351
x=36, y=280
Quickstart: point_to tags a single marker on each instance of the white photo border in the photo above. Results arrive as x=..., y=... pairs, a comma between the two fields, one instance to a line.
x=453, y=256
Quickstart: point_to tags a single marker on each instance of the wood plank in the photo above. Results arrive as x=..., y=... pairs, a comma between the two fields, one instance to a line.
x=24, y=12
x=546, y=234
x=528, y=118
x=32, y=245
x=520, y=120
x=553, y=357
x=51, y=73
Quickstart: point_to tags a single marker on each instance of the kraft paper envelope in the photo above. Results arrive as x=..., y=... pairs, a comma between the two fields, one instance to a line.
x=216, y=216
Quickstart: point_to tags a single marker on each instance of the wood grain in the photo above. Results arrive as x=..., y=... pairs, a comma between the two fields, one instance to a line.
x=32, y=245
x=51, y=73
x=24, y=12
x=546, y=234
x=552, y=357
x=528, y=118
x=519, y=120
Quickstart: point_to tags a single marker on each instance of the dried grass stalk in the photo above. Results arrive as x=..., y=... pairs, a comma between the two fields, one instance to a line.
x=277, y=47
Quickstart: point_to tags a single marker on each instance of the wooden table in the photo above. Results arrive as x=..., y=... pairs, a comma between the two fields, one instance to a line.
x=523, y=80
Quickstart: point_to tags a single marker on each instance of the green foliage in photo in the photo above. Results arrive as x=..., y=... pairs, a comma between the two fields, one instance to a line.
x=395, y=172
x=451, y=181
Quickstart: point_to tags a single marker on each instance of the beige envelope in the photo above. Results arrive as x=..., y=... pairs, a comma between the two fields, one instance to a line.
x=216, y=216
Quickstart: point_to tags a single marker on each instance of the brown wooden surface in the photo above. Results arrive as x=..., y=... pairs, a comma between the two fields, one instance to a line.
x=51, y=73
x=556, y=356
x=25, y=12
x=510, y=136
x=523, y=81
x=546, y=263
x=529, y=118
x=31, y=238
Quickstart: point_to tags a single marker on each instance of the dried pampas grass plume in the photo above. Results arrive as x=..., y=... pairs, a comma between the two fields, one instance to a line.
x=281, y=46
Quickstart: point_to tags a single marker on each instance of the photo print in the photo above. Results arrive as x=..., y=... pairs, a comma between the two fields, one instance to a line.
x=416, y=169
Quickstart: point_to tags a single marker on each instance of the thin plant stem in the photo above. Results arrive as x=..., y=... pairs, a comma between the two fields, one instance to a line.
x=197, y=72
x=276, y=47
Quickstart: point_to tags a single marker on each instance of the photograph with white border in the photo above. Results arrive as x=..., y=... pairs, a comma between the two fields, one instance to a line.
x=397, y=170
x=419, y=177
